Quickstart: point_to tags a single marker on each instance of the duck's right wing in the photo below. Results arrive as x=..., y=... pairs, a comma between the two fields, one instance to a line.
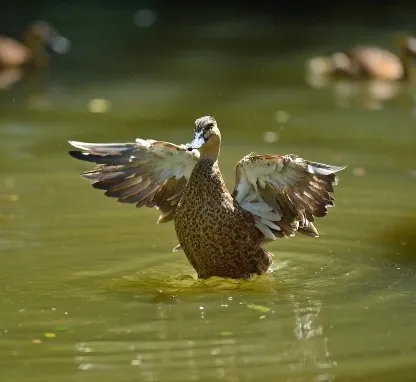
x=284, y=193
x=147, y=172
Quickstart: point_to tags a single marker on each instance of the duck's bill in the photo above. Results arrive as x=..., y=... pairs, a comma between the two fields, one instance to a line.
x=196, y=143
x=59, y=44
x=411, y=45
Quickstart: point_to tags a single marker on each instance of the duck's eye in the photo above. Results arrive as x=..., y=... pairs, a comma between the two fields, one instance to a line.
x=209, y=126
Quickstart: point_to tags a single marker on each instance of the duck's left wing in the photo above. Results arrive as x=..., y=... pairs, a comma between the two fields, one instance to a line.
x=145, y=172
x=284, y=193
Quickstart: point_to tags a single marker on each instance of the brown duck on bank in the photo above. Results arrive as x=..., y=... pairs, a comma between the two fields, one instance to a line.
x=366, y=62
x=30, y=55
x=221, y=233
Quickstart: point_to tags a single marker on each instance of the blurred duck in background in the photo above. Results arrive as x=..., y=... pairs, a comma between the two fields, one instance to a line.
x=367, y=62
x=382, y=69
x=31, y=56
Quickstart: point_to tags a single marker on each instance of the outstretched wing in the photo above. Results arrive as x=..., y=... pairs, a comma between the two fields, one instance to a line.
x=284, y=193
x=147, y=172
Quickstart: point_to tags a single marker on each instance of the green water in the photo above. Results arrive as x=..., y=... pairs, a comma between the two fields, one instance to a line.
x=89, y=288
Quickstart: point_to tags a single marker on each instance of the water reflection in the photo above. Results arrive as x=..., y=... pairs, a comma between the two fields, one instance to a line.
x=370, y=94
x=313, y=344
x=202, y=349
x=206, y=331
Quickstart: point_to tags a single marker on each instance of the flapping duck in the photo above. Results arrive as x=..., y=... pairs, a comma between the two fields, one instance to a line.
x=221, y=233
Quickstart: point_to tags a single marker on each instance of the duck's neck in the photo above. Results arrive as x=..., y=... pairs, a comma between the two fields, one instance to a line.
x=206, y=176
x=404, y=58
x=208, y=163
x=210, y=156
x=211, y=149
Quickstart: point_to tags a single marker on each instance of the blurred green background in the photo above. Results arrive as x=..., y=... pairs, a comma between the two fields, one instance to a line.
x=89, y=288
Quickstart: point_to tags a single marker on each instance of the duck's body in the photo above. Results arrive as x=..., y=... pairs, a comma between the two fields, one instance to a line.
x=222, y=239
x=221, y=233
x=13, y=53
x=371, y=62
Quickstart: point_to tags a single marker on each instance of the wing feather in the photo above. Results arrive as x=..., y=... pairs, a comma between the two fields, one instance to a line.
x=146, y=172
x=284, y=193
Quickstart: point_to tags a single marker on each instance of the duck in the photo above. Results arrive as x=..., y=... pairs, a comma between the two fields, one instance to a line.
x=366, y=61
x=31, y=55
x=222, y=233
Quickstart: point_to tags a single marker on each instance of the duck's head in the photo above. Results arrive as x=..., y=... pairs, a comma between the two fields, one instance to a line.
x=406, y=43
x=411, y=46
x=320, y=66
x=41, y=34
x=207, y=138
x=407, y=50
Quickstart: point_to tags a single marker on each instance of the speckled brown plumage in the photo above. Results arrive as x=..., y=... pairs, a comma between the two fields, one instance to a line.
x=221, y=233
x=218, y=237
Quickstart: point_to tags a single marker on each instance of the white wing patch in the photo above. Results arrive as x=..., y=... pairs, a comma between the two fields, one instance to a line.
x=250, y=200
x=283, y=191
x=176, y=160
x=145, y=172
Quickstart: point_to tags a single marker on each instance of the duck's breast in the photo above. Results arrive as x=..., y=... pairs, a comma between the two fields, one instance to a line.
x=379, y=63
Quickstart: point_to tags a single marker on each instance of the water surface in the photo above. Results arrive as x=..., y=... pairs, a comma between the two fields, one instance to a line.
x=90, y=290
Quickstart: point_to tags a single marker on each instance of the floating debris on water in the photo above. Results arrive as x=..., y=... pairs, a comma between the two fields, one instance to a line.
x=270, y=137
x=9, y=197
x=358, y=171
x=135, y=362
x=13, y=198
x=99, y=105
x=259, y=308
x=281, y=116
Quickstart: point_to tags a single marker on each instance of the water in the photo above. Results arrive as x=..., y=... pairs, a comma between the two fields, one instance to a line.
x=90, y=289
